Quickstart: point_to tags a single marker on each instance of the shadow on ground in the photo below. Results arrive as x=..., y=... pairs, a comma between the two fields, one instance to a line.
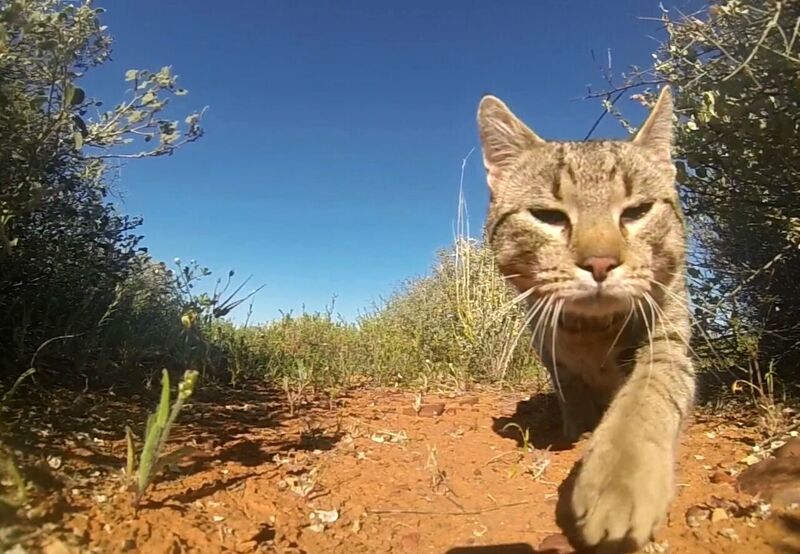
x=540, y=416
x=516, y=548
x=790, y=525
x=88, y=431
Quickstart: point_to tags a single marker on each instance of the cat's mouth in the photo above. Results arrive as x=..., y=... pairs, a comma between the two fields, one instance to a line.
x=600, y=301
x=580, y=323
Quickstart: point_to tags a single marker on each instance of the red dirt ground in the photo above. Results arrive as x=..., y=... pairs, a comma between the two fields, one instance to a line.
x=366, y=475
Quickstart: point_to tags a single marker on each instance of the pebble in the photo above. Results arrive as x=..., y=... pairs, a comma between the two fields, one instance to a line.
x=555, y=544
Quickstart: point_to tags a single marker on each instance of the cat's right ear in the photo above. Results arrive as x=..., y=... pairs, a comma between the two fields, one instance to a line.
x=503, y=136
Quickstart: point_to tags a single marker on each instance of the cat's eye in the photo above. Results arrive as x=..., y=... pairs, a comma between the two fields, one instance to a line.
x=551, y=217
x=635, y=213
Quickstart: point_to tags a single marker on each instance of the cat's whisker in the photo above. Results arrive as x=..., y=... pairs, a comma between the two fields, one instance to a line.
x=520, y=298
x=684, y=340
x=529, y=315
x=540, y=327
x=694, y=323
x=554, y=330
x=658, y=314
x=681, y=301
x=649, y=338
x=543, y=308
x=503, y=310
x=619, y=333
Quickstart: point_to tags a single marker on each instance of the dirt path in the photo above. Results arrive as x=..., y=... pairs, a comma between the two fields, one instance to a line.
x=366, y=476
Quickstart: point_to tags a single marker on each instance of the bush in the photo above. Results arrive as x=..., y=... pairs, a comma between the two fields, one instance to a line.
x=459, y=324
x=66, y=254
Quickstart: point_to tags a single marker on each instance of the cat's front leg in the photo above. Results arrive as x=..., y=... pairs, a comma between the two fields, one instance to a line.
x=625, y=481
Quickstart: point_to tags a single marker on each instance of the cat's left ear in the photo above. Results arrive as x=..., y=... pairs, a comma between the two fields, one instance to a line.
x=656, y=133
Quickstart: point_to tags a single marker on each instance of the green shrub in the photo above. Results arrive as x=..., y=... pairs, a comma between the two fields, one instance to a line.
x=458, y=324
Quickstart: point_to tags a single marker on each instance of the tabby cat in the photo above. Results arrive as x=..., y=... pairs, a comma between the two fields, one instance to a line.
x=592, y=235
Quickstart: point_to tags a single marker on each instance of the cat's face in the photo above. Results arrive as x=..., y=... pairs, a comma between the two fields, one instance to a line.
x=595, y=224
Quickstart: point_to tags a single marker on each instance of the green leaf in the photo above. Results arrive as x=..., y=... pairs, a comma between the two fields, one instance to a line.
x=163, y=405
x=131, y=75
x=135, y=116
x=74, y=96
x=151, y=440
x=129, y=466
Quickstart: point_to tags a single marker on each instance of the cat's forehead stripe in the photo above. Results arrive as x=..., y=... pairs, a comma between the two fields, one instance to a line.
x=560, y=166
x=619, y=168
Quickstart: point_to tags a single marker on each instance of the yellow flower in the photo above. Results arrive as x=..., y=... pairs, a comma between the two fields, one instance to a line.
x=188, y=319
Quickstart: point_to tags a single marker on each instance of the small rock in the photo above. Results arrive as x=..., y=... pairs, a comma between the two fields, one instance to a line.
x=555, y=544
x=326, y=516
x=656, y=547
x=752, y=459
x=790, y=449
x=729, y=533
x=728, y=505
x=468, y=401
x=127, y=545
x=695, y=515
x=409, y=542
x=80, y=527
x=721, y=476
x=718, y=514
x=431, y=410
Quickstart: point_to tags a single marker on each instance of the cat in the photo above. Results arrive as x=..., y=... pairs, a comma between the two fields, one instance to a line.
x=593, y=236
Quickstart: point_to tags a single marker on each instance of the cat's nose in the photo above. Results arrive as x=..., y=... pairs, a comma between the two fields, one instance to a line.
x=599, y=266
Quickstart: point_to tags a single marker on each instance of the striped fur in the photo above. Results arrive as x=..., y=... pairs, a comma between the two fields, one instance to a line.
x=617, y=350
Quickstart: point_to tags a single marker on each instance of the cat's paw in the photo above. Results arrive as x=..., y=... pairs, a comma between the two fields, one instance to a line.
x=620, y=496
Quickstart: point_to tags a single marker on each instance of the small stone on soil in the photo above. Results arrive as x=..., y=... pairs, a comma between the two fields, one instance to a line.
x=718, y=514
x=695, y=515
x=656, y=547
x=555, y=544
x=729, y=533
x=410, y=542
x=721, y=476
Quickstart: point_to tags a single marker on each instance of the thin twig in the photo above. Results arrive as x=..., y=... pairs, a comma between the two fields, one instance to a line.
x=785, y=431
x=606, y=110
x=386, y=511
x=772, y=23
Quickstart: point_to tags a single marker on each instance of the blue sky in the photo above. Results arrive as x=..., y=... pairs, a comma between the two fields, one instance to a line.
x=335, y=130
